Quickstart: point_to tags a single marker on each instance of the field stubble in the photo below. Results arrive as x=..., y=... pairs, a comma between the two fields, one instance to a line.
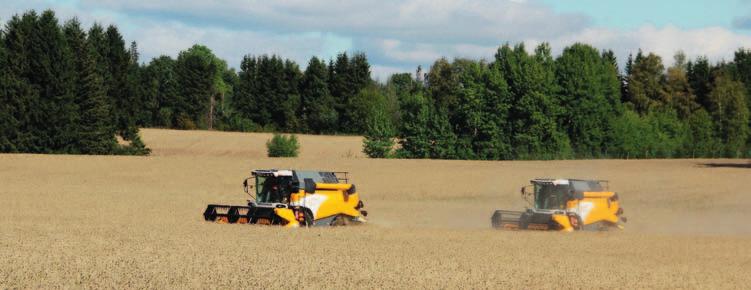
x=109, y=221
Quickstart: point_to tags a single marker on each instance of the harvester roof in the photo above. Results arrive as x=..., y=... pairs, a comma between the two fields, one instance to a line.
x=563, y=180
x=576, y=184
x=272, y=172
x=300, y=175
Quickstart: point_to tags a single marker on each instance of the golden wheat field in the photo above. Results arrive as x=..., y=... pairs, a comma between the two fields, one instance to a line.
x=136, y=222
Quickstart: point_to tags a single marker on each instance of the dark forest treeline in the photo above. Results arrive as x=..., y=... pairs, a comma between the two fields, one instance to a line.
x=66, y=90
x=528, y=105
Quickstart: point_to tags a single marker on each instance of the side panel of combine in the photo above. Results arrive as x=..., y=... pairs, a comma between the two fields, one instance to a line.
x=597, y=208
x=335, y=204
x=331, y=203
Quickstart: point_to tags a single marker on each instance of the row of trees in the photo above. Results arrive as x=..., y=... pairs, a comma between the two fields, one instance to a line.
x=66, y=90
x=63, y=90
x=533, y=106
x=198, y=90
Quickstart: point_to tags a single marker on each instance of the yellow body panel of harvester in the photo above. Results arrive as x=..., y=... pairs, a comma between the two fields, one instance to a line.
x=329, y=200
x=604, y=207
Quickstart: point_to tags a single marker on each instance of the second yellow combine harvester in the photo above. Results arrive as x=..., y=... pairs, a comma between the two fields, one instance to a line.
x=294, y=198
x=564, y=205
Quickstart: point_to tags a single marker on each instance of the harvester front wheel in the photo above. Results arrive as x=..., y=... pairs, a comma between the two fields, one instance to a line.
x=307, y=219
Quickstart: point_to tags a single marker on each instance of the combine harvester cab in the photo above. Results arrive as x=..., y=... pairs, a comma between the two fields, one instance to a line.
x=294, y=198
x=564, y=205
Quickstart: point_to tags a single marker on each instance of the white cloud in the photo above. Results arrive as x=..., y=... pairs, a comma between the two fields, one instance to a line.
x=170, y=38
x=396, y=35
x=411, y=53
x=382, y=73
x=437, y=21
x=716, y=43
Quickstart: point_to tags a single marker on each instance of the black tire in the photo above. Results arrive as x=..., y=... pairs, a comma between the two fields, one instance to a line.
x=579, y=222
x=307, y=218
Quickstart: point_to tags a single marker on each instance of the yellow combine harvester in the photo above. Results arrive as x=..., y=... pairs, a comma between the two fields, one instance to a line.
x=564, y=205
x=294, y=198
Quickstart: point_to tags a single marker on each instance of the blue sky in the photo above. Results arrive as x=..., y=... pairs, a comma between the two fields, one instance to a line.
x=399, y=35
x=632, y=14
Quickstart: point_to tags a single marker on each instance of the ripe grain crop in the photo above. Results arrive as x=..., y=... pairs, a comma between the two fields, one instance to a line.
x=135, y=222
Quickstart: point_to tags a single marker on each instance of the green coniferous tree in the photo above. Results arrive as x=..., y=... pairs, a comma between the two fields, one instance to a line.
x=9, y=126
x=98, y=39
x=22, y=98
x=625, y=94
x=269, y=94
x=52, y=71
x=341, y=89
x=245, y=101
x=118, y=64
x=742, y=71
x=198, y=72
x=700, y=78
x=289, y=103
x=75, y=39
x=317, y=106
x=144, y=105
x=359, y=72
x=347, y=77
x=612, y=82
x=97, y=135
